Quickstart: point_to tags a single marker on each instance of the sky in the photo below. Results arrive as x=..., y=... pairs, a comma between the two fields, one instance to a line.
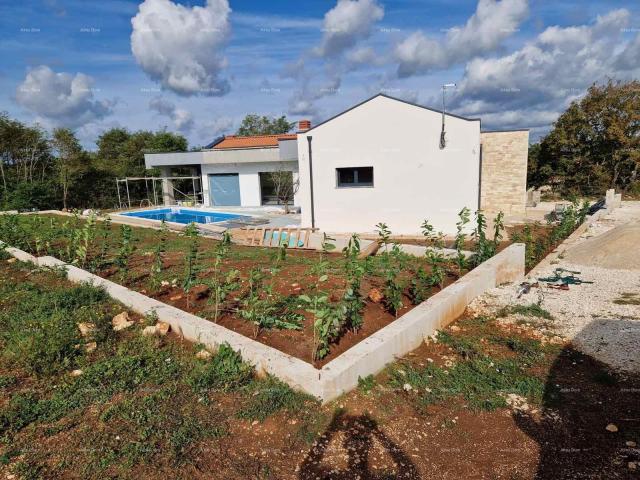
x=199, y=67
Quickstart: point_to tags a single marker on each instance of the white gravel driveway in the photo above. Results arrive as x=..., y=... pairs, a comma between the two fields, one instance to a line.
x=601, y=319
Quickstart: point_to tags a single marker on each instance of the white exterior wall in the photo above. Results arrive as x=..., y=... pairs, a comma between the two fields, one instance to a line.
x=248, y=177
x=413, y=179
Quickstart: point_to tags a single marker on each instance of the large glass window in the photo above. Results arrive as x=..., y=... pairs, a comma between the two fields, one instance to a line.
x=276, y=188
x=355, y=177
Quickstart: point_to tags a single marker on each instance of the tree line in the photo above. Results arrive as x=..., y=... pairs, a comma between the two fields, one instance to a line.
x=41, y=170
x=594, y=145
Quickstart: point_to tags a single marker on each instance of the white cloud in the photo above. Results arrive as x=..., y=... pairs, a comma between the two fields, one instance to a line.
x=347, y=23
x=532, y=85
x=180, y=46
x=182, y=119
x=210, y=130
x=492, y=22
x=61, y=99
x=345, y=26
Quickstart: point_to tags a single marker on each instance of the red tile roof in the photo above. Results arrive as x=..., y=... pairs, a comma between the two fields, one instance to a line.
x=254, y=141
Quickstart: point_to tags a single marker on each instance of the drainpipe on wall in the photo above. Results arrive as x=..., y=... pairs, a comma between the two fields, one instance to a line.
x=313, y=216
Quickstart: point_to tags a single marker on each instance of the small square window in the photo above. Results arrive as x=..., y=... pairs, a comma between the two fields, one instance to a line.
x=355, y=177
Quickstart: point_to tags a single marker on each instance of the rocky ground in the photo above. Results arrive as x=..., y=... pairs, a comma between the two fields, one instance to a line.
x=599, y=313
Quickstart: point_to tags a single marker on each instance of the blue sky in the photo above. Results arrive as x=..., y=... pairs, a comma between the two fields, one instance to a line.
x=198, y=67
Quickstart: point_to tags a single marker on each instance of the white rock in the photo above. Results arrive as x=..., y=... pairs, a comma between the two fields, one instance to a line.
x=516, y=402
x=121, y=321
x=76, y=373
x=91, y=347
x=162, y=328
x=164, y=283
x=611, y=428
x=203, y=355
x=12, y=260
x=149, y=331
x=407, y=387
x=630, y=443
x=86, y=328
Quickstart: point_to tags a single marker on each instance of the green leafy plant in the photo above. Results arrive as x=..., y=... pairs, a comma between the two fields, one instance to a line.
x=158, y=253
x=392, y=264
x=354, y=271
x=461, y=237
x=423, y=282
x=265, y=310
x=87, y=235
x=124, y=251
x=191, y=266
x=328, y=323
x=104, y=234
x=219, y=284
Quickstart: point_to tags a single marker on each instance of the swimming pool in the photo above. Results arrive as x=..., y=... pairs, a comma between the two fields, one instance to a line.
x=183, y=215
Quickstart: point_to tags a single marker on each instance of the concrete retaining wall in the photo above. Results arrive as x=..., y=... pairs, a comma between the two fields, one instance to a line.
x=341, y=374
x=571, y=239
x=409, y=331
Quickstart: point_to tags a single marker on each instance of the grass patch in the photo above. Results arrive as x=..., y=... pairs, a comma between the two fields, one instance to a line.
x=628, y=298
x=482, y=376
x=38, y=326
x=532, y=310
x=481, y=382
x=224, y=372
x=366, y=384
x=7, y=381
x=270, y=396
x=164, y=422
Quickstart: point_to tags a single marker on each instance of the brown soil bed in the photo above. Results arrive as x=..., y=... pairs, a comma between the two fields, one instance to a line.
x=291, y=281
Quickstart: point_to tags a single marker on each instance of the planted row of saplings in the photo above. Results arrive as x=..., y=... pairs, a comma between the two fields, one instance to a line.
x=90, y=244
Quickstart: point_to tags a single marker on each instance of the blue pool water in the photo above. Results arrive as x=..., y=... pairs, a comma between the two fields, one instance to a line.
x=183, y=215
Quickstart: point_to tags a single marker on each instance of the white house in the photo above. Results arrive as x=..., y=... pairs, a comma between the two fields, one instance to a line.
x=382, y=160
x=234, y=169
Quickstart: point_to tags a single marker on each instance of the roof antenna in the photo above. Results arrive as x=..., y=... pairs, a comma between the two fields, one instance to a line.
x=443, y=140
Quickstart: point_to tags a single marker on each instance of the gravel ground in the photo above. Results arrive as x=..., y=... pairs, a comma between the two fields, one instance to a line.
x=601, y=319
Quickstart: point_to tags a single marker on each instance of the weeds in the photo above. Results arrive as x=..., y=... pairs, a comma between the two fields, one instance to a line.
x=366, y=384
x=224, y=372
x=271, y=396
x=531, y=310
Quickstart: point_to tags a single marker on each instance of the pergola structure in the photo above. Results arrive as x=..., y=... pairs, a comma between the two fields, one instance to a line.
x=152, y=196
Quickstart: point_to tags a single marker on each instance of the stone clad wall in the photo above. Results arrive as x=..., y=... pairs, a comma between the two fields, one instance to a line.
x=503, y=174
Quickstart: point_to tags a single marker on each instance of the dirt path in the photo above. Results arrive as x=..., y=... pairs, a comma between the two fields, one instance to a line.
x=602, y=318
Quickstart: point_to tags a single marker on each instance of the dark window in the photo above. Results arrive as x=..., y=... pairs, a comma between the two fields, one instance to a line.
x=355, y=177
x=276, y=187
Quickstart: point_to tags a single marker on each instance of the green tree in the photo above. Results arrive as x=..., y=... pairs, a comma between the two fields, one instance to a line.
x=122, y=152
x=262, y=125
x=70, y=159
x=594, y=144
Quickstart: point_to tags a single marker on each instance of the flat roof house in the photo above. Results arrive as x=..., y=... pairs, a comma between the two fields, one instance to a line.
x=234, y=169
x=382, y=160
